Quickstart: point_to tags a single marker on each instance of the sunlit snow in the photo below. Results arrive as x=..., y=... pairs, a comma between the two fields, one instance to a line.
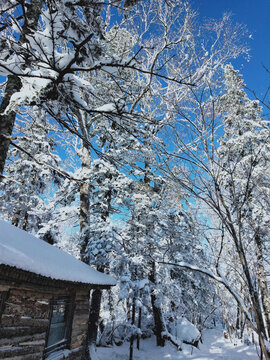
x=24, y=251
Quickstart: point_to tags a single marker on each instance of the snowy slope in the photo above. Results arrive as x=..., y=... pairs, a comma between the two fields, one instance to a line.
x=26, y=252
x=214, y=347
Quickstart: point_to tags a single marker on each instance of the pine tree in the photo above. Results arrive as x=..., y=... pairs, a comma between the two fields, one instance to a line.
x=31, y=175
x=244, y=154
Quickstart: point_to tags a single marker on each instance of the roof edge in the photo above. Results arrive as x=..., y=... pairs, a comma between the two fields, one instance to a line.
x=13, y=273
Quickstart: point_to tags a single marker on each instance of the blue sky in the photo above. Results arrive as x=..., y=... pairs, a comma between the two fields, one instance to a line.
x=255, y=14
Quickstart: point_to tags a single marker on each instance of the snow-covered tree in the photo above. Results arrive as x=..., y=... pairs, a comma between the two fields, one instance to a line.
x=244, y=155
x=116, y=82
x=31, y=174
x=50, y=52
x=229, y=174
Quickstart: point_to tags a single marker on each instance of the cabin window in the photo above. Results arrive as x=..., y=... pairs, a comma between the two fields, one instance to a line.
x=60, y=324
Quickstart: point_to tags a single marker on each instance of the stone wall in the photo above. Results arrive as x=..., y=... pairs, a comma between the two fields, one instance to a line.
x=24, y=322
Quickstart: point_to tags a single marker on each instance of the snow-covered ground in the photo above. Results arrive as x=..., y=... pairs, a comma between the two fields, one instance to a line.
x=214, y=347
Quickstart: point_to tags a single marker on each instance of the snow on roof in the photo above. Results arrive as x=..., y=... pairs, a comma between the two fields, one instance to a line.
x=26, y=252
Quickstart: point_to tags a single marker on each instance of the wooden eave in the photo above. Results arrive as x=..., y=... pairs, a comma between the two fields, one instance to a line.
x=13, y=274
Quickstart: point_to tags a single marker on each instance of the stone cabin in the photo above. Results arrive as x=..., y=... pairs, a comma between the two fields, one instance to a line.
x=44, y=298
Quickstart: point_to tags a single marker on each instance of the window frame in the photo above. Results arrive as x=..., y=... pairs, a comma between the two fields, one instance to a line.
x=65, y=343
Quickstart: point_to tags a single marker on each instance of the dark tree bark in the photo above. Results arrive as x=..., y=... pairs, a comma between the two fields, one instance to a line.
x=132, y=336
x=157, y=313
x=84, y=190
x=16, y=218
x=262, y=282
x=238, y=318
x=254, y=296
x=7, y=121
x=14, y=85
x=129, y=3
x=252, y=290
x=139, y=327
x=94, y=316
x=96, y=296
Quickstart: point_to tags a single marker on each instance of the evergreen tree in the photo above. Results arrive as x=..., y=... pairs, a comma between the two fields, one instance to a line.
x=31, y=175
x=244, y=160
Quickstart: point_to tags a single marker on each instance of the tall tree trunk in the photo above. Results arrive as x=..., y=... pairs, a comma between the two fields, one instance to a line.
x=94, y=319
x=84, y=205
x=84, y=215
x=238, y=318
x=256, y=307
x=112, y=313
x=7, y=121
x=262, y=282
x=14, y=85
x=132, y=336
x=253, y=293
x=139, y=327
x=157, y=313
x=97, y=294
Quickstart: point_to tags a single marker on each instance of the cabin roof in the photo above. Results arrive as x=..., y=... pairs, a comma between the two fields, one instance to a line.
x=21, y=250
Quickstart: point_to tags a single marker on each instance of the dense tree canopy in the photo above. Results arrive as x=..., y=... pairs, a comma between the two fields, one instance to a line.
x=127, y=138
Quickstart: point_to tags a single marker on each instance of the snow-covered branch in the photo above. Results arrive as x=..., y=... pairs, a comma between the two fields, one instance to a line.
x=220, y=279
